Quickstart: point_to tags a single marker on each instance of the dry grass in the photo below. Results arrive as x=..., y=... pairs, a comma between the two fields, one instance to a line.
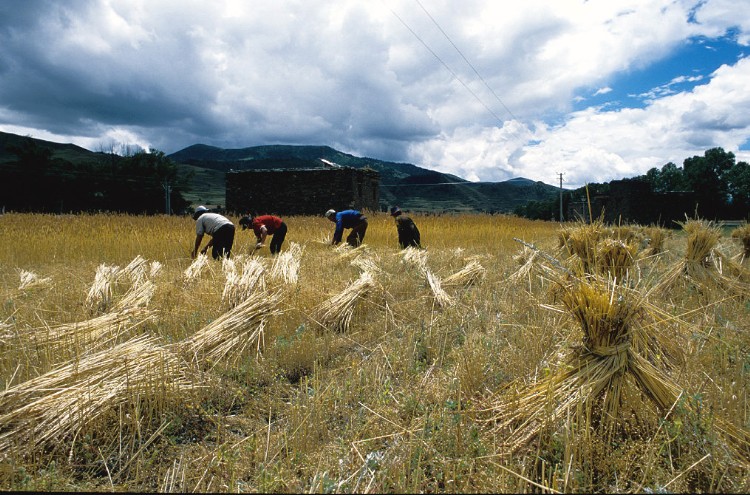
x=571, y=360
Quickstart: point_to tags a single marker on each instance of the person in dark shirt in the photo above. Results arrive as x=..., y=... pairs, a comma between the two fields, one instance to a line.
x=348, y=219
x=408, y=233
x=263, y=226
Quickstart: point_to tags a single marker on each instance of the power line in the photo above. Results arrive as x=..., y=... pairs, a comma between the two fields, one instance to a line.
x=466, y=60
x=447, y=66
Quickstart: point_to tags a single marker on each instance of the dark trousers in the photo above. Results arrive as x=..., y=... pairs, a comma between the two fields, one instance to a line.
x=223, y=241
x=278, y=239
x=357, y=235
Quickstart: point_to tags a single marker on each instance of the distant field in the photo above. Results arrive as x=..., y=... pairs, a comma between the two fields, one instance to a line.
x=508, y=356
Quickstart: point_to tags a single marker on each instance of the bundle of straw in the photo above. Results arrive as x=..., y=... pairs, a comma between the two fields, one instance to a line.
x=415, y=257
x=154, y=268
x=135, y=270
x=286, y=264
x=742, y=234
x=193, y=271
x=655, y=238
x=100, y=293
x=615, y=258
x=238, y=287
x=580, y=241
x=468, y=275
x=56, y=406
x=336, y=312
x=227, y=337
x=366, y=264
x=614, y=347
x=30, y=280
x=91, y=332
x=139, y=295
x=703, y=263
x=441, y=297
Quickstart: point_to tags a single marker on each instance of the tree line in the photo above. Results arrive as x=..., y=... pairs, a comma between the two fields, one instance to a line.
x=36, y=181
x=719, y=186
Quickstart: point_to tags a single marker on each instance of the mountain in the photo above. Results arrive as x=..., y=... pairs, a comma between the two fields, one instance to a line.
x=409, y=186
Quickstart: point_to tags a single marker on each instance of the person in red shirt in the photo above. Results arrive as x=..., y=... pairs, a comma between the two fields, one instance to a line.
x=263, y=226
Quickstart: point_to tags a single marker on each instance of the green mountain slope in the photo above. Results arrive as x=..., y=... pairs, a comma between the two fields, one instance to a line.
x=403, y=184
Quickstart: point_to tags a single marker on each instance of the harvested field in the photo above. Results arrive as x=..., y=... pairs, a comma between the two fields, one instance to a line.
x=514, y=356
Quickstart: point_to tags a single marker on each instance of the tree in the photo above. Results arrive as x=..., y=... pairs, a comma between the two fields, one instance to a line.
x=706, y=176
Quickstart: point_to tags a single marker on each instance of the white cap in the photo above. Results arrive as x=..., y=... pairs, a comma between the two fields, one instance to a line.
x=330, y=213
x=199, y=210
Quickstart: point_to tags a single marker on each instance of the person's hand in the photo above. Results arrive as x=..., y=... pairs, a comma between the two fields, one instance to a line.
x=259, y=245
x=203, y=251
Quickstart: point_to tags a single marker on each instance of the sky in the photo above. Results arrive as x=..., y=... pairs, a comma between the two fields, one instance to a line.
x=488, y=90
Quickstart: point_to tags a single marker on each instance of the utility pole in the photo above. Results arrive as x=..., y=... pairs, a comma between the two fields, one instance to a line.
x=167, y=194
x=561, y=196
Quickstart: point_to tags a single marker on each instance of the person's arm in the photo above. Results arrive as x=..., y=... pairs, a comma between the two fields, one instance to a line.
x=339, y=232
x=262, y=237
x=198, y=239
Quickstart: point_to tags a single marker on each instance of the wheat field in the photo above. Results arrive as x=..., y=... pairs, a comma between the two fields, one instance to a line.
x=508, y=356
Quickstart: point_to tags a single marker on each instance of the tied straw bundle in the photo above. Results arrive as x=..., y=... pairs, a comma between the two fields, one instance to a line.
x=467, y=276
x=703, y=264
x=336, y=313
x=227, y=337
x=615, y=346
x=100, y=293
x=286, y=265
x=742, y=234
x=30, y=280
x=239, y=286
x=442, y=298
x=57, y=405
x=195, y=269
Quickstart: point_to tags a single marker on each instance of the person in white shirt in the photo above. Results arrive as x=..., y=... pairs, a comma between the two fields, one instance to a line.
x=219, y=227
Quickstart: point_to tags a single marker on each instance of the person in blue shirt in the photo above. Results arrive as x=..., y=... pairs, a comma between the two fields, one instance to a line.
x=348, y=219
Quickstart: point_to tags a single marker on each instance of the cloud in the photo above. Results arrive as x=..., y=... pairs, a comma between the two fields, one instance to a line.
x=435, y=84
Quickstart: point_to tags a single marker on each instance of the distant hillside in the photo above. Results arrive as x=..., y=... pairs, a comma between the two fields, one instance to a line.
x=409, y=186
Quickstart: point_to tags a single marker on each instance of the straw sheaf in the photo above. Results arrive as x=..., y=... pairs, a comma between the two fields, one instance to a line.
x=228, y=336
x=615, y=258
x=336, y=313
x=93, y=332
x=469, y=275
x=239, y=286
x=414, y=257
x=195, y=269
x=286, y=264
x=59, y=404
x=742, y=234
x=135, y=270
x=100, y=293
x=615, y=345
x=703, y=264
x=30, y=280
x=442, y=298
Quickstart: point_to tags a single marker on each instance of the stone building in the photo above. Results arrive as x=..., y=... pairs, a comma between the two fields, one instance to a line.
x=302, y=191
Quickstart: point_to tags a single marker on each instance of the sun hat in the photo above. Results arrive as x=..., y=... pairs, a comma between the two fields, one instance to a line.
x=330, y=213
x=199, y=211
x=395, y=210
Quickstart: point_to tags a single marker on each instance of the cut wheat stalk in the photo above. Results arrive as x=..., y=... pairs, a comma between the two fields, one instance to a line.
x=135, y=270
x=139, y=295
x=442, y=298
x=195, y=269
x=239, y=286
x=95, y=332
x=99, y=296
x=414, y=257
x=469, y=275
x=742, y=234
x=228, y=336
x=703, y=264
x=366, y=264
x=286, y=264
x=336, y=313
x=56, y=406
x=30, y=280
